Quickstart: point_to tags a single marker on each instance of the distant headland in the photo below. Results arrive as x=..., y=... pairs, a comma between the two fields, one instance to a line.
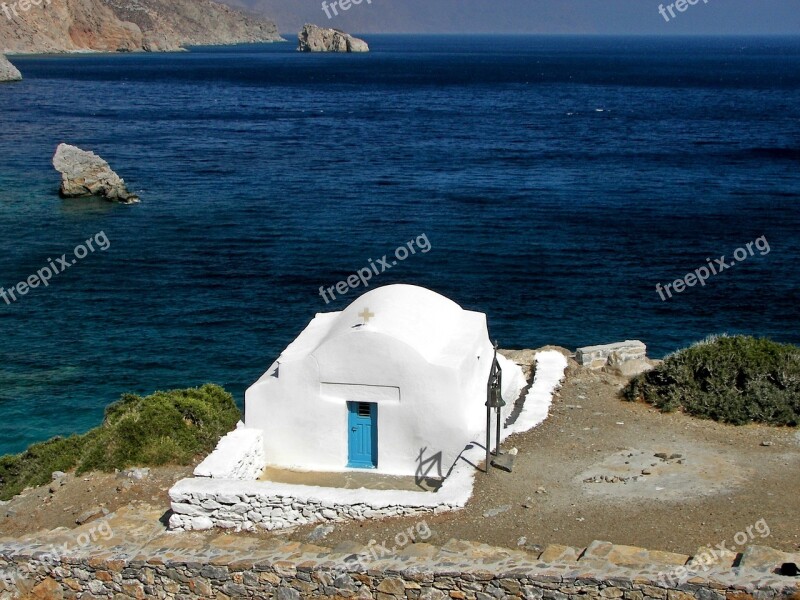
x=55, y=26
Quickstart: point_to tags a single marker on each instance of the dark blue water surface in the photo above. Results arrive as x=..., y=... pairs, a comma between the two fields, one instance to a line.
x=558, y=180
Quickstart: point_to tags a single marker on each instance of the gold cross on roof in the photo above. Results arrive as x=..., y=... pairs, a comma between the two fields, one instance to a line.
x=366, y=315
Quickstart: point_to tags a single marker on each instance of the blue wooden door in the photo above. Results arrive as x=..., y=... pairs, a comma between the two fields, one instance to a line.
x=362, y=435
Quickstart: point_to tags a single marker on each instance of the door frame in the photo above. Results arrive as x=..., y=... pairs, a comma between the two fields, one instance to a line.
x=353, y=418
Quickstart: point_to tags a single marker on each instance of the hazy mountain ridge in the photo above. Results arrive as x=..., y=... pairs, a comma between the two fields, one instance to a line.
x=127, y=25
x=607, y=17
x=419, y=16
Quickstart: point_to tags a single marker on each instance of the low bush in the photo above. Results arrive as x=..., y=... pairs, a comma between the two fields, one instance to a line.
x=732, y=379
x=171, y=427
x=35, y=466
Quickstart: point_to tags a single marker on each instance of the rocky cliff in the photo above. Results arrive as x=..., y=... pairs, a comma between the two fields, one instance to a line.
x=8, y=72
x=124, y=25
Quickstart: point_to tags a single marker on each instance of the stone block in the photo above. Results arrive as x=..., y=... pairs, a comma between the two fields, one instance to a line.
x=284, y=593
x=596, y=357
x=202, y=523
x=48, y=589
x=627, y=368
x=188, y=509
x=631, y=556
x=392, y=585
x=227, y=499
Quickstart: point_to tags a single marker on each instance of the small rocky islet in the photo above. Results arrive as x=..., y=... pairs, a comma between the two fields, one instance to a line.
x=319, y=39
x=84, y=174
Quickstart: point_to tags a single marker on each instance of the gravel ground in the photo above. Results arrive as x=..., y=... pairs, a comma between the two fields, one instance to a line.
x=61, y=503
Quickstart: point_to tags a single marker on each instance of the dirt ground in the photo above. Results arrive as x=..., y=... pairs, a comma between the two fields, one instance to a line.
x=589, y=472
x=61, y=503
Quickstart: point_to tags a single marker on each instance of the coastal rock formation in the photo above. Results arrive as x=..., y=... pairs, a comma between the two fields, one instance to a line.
x=8, y=72
x=126, y=26
x=318, y=39
x=86, y=174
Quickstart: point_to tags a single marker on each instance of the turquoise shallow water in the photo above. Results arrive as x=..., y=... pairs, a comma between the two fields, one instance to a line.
x=557, y=180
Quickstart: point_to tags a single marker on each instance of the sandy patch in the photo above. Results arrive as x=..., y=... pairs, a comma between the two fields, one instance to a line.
x=658, y=473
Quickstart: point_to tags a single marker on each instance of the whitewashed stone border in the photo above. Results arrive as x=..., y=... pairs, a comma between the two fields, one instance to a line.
x=204, y=504
x=238, y=455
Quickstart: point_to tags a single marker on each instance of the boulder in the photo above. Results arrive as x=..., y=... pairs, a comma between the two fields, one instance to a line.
x=318, y=39
x=84, y=173
x=618, y=365
x=135, y=474
x=8, y=72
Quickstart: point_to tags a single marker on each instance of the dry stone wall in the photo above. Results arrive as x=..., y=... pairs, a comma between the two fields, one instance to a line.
x=222, y=567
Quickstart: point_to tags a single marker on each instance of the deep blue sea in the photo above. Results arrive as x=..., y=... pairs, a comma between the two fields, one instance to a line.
x=558, y=180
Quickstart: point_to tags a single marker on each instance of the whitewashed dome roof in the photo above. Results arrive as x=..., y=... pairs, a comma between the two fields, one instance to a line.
x=419, y=317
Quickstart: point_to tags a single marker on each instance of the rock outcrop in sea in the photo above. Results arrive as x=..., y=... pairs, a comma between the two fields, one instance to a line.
x=318, y=39
x=126, y=26
x=83, y=173
x=8, y=72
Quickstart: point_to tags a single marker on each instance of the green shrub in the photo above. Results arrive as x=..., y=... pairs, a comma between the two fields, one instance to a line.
x=171, y=427
x=736, y=379
x=35, y=466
